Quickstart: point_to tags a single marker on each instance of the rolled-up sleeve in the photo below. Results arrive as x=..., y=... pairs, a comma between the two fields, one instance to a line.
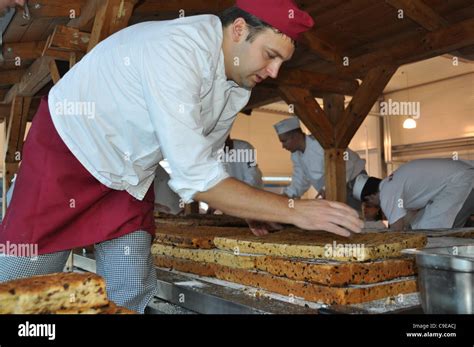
x=172, y=81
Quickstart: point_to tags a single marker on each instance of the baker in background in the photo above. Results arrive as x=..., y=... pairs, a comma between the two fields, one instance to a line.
x=437, y=192
x=307, y=156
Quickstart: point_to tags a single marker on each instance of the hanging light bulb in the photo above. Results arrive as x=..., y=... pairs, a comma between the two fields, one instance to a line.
x=409, y=123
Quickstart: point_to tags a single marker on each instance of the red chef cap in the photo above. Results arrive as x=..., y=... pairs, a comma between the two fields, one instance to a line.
x=283, y=15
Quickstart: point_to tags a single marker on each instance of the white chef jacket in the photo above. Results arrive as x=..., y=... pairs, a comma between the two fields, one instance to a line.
x=436, y=188
x=308, y=168
x=151, y=91
x=247, y=172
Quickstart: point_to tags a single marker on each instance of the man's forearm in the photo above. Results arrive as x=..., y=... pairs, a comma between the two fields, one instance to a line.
x=241, y=200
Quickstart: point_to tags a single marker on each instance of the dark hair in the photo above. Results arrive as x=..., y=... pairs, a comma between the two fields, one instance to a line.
x=255, y=25
x=370, y=187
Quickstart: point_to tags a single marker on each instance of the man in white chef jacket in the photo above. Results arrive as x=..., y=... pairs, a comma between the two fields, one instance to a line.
x=240, y=160
x=307, y=156
x=437, y=192
x=152, y=91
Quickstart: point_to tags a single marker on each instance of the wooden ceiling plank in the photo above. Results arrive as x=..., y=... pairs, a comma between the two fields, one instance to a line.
x=420, y=13
x=157, y=6
x=423, y=15
x=421, y=47
x=55, y=8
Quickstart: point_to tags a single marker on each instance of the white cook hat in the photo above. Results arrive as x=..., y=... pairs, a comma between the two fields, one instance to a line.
x=287, y=125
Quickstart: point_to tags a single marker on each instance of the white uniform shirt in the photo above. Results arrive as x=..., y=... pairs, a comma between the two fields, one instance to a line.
x=245, y=171
x=151, y=91
x=442, y=184
x=308, y=168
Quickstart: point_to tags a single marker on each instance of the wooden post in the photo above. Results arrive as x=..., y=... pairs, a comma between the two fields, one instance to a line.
x=14, y=142
x=335, y=174
x=334, y=163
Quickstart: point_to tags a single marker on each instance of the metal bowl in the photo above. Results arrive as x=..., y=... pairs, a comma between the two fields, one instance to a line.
x=446, y=278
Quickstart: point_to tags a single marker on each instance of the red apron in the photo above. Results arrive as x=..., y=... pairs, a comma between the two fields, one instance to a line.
x=58, y=205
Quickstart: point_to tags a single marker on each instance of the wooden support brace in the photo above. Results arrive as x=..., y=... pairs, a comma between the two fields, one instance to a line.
x=364, y=99
x=72, y=59
x=312, y=115
x=334, y=107
x=53, y=68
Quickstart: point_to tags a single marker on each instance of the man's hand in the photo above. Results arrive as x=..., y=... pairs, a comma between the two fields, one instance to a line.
x=260, y=228
x=239, y=199
x=335, y=217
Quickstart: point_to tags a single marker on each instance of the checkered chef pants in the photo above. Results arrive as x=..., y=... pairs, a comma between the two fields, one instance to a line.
x=125, y=263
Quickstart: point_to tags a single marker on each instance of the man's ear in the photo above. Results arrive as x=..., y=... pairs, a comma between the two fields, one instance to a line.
x=239, y=30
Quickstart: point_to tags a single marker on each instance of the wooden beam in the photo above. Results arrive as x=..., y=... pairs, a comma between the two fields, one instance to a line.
x=69, y=39
x=405, y=49
x=16, y=128
x=420, y=13
x=85, y=21
x=14, y=141
x=72, y=59
x=54, y=71
x=315, y=81
x=335, y=174
x=334, y=107
x=23, y=50
x=321, y=47
x=5, y=109
x=11, y=76
x=54, y=8
x=160, y=6
x=421, y=47
x=35, y=78
x=112, y=16
x=262, y=96
x=362, y=102
x=312, y=115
